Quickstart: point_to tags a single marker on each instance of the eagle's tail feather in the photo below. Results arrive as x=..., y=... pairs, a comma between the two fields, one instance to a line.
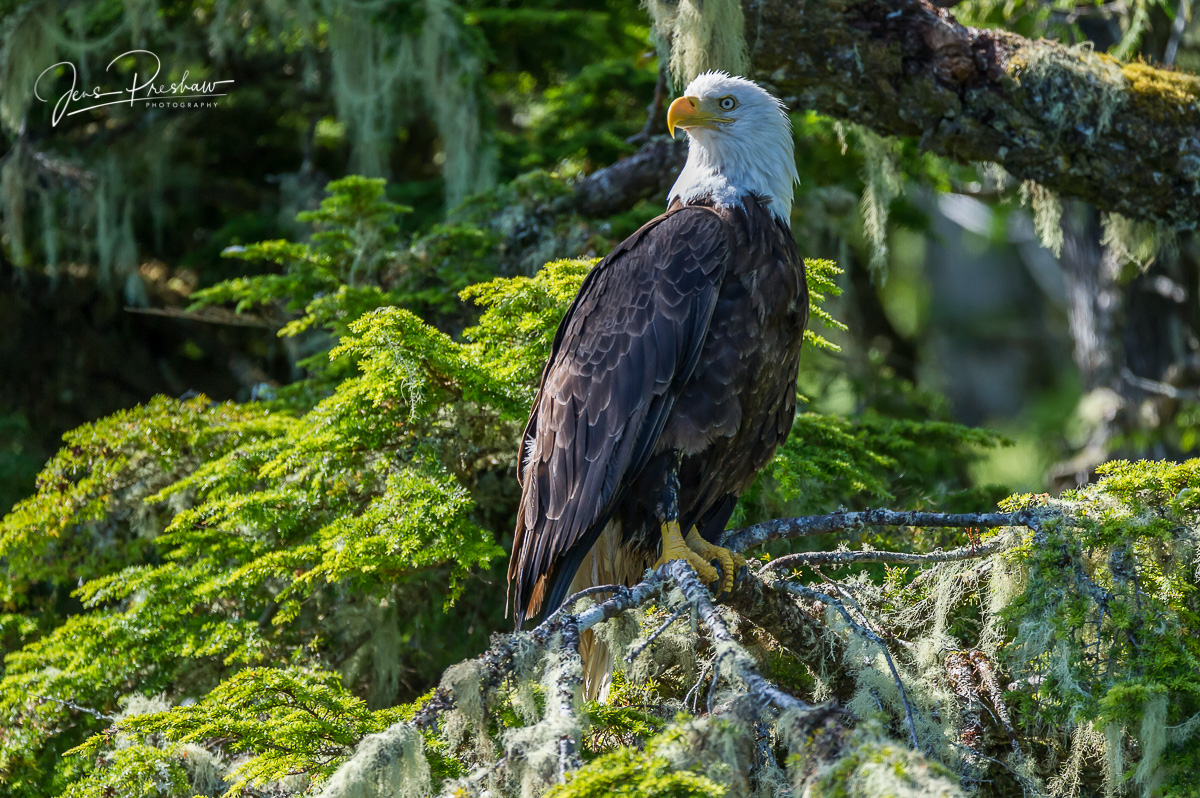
x=597, y=667
x=607, y=563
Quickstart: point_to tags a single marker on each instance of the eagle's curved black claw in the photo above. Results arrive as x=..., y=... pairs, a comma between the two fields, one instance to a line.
x=738, y=575
x=715, y=586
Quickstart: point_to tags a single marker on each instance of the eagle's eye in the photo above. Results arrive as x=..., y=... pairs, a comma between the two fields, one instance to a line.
x=727, y=103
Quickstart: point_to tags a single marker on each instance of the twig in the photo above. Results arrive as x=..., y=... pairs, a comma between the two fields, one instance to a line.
x=695, y=705
x=962, y=683
x=808, y=592
x=1178, y=25
x=77, y=707
x=783, y=528
x=637, y=650
x=988, y=679
x=840, y=558
x=591, y=591
x=1160, y=388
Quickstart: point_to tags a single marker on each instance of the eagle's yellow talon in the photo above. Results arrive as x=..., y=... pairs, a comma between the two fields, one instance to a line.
x=731, y=562
x=675, y=548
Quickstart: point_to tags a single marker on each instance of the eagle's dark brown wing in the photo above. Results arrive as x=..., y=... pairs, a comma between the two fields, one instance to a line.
x=626, y=345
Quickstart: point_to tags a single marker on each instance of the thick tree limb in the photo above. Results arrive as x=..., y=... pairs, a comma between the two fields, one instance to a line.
x=566, y=693
x=616, y=188
x=1125, y=138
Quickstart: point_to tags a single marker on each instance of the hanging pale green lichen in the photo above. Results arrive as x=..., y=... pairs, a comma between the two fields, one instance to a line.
x=1133, y=242
x=534, y=751
x=27, y=48
x=378, y=661
x=368, y=71
x=702, y=36
x=12, y=189
x=1087, y=743
x=467, y=723
x=451, y=74
x=391, y=763
x=1047, y=214
x=374, y=90
x=381, y=77
x=872, y=765
x=881, y=185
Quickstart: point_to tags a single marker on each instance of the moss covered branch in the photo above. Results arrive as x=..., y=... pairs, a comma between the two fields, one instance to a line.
x=1122, y=136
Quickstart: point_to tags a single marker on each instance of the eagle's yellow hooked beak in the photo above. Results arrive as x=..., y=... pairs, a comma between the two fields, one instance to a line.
x=688, y=112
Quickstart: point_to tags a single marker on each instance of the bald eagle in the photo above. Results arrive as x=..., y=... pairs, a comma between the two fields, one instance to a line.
x=673, y=374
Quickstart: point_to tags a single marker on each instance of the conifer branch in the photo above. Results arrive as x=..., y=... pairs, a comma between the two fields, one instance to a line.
x=806, y=525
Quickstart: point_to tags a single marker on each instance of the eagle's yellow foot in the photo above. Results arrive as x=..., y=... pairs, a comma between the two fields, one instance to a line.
x=731, y=562
x=675, y=548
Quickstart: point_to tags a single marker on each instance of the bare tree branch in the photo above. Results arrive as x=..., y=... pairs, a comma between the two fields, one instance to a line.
x=815, y=558
x=648, y=172
x=783, y=528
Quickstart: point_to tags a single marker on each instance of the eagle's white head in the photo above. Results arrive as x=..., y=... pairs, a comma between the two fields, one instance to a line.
x=739, y=143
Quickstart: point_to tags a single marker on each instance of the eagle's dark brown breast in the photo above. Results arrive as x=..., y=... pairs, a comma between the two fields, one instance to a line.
x=680, y=351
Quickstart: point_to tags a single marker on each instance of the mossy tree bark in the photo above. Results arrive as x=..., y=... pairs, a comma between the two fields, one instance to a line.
x=1124, y=137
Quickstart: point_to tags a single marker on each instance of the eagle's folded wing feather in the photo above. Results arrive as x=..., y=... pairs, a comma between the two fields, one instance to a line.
x=627, y=343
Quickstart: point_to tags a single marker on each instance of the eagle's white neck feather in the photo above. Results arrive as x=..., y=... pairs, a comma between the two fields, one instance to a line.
x=752, y=155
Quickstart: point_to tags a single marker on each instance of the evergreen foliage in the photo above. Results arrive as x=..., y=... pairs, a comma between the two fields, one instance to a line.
x=284, y=571
x=255, y=598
